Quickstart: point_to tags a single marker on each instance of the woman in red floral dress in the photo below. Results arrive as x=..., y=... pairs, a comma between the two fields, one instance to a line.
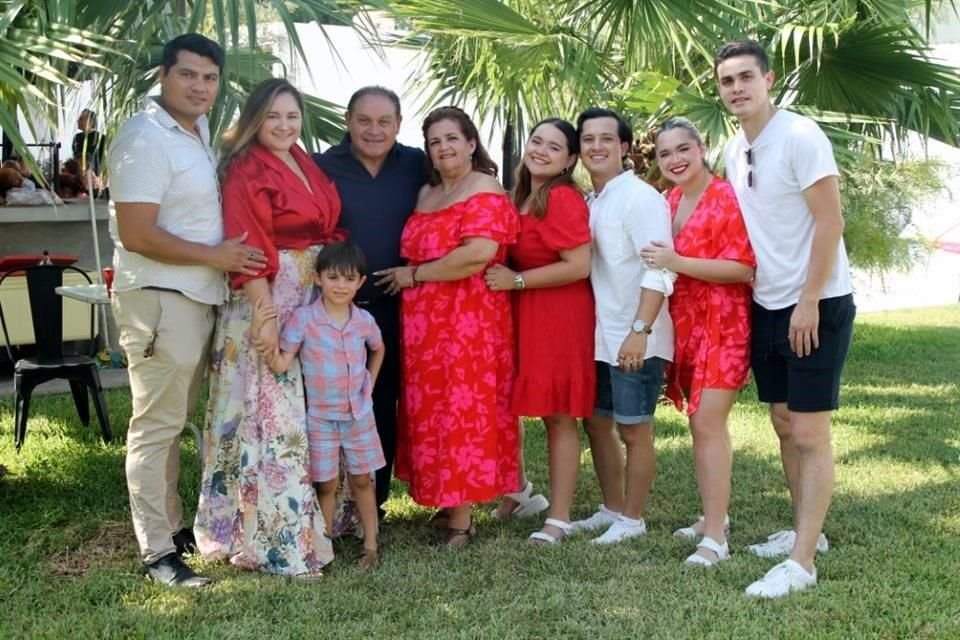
x=457, y=441
x=710, y=307
x=553, y=307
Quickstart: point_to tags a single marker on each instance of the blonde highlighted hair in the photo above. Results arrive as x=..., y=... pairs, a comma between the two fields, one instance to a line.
x=237, y=139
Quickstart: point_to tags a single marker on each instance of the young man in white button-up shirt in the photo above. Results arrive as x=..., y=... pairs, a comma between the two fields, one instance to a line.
x=634, y=333
x=170, y=260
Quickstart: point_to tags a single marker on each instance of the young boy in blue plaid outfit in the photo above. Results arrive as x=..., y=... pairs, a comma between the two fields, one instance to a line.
x=341, y=352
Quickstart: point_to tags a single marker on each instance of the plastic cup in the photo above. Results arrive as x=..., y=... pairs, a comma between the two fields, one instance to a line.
x=108, y=280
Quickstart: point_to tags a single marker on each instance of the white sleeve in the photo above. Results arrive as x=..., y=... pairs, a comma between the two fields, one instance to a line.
x=811, y=154
x=140, y=170
x=650, y=221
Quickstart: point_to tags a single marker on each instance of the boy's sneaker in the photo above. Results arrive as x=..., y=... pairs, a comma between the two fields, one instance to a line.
x=602, y=518
x=781, y=544
x=786, y=577
x=622, y=529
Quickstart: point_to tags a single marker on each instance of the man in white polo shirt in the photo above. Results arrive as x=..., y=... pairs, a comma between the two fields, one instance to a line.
x=786, y=179
x=170, y=260
x=634, y=333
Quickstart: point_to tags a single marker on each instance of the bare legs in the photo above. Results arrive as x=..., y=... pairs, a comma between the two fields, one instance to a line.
x=806, y=451
x=625, y=487
x=507, y=504
x=713, y=462
x=366, y=498
x=563, y=446
x=608, y=460
x=641, y=467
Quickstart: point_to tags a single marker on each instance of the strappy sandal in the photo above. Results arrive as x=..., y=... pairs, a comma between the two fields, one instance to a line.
x=368, y=559
x=528, y=504
x=543, y=537
x=689, y=533
x=457, y=538
x=722, y=551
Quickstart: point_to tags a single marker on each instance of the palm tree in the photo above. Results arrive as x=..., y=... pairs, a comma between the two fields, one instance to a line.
x=50, y=48
x=859, y=67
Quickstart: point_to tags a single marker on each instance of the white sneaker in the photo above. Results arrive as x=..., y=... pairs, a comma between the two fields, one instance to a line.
x=622, y=529
x=602, y=518
x=781, y=544
x=786, y=577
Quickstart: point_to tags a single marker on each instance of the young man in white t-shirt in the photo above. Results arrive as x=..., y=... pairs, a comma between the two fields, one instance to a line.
x=786, y=179
x=634, y=333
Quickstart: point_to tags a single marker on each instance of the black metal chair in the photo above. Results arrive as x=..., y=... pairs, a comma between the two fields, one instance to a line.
x=50, y=363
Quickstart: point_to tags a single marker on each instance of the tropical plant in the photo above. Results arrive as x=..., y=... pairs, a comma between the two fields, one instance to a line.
x=860, y=67
x=48, y=48
x=879, y=199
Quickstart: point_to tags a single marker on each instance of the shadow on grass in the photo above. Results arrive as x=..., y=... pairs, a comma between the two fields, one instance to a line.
x=901, y=384
x=69, y=556
x=501, y=586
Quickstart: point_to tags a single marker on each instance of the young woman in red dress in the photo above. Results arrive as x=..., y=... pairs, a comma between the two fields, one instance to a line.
x=457, y=438
x=553, y=308
x=710, y=307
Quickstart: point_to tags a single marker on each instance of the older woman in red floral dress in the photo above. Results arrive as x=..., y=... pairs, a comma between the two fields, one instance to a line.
x=457, y=441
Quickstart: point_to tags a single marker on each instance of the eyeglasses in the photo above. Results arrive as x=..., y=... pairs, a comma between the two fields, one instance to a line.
x=750, y=164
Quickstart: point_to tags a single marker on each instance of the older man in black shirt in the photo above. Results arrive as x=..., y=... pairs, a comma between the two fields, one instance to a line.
x=378, y=180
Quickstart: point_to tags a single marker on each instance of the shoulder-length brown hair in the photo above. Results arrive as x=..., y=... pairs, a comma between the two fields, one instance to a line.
x=481, y=159
x=237, y=139
x=523, y=185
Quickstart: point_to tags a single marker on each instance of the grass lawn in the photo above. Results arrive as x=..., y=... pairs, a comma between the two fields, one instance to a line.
x=68, y=558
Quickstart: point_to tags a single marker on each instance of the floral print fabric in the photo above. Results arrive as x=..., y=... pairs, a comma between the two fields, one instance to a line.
x=457, y=438
x=711, y=320
x=257, y=504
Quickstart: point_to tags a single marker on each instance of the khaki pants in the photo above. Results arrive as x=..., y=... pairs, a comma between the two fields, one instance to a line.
x=164, y=387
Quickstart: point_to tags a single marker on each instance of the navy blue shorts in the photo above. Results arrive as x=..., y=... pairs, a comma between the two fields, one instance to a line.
x=807, y=384
x=631, y=398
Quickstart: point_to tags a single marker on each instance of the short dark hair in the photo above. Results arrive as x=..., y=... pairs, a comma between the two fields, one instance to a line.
x=342, y=257
x=194, y=43
x=374, y=90
x=742, y=48
x=624, y=130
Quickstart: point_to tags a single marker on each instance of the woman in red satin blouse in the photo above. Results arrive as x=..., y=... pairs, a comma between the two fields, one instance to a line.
x=257, y=505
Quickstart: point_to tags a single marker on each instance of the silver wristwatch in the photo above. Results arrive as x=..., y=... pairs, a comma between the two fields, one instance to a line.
x=639, y=326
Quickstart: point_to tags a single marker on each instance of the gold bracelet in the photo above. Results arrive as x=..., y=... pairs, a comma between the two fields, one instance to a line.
x=413, y=276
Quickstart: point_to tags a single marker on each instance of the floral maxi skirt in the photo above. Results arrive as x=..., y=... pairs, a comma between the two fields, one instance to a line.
x=257, y=505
